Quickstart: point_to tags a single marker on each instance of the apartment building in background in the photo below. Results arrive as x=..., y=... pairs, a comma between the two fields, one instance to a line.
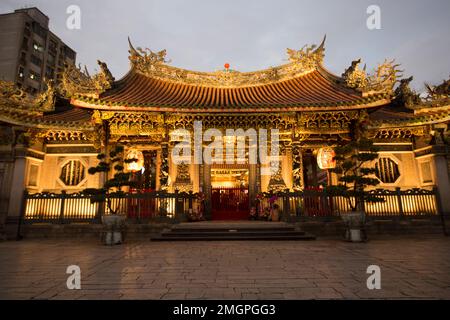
x=29, y=51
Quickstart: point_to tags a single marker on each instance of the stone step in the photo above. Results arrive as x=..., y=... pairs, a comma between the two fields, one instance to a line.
x=232, y=233
x=232, y=229
x=236, y=237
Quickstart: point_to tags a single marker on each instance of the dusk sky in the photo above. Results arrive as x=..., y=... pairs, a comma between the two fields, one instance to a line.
x=251, y=35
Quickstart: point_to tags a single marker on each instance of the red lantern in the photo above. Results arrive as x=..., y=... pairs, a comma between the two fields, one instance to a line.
x=227, y=66
x=325, y=158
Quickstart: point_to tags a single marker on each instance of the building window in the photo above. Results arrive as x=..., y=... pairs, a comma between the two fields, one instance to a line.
x=33, y=175
x=425, y=167
x=25, y=43
x=37, y=47
x=35, y=76
x=387, y=170
x=35, y=60
x=21, y=73
x=72, y=173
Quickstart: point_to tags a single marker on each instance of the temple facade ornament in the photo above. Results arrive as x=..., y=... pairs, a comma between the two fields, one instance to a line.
x=405, y=96
x=183, y=181
x=354, y=77
x=383, y=79
x=76, y=81
x=276, y=182
x=440, y=92
x=46, y=100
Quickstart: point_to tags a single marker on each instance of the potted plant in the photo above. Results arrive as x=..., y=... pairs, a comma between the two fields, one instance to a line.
x=355, y=175
x=112, y=188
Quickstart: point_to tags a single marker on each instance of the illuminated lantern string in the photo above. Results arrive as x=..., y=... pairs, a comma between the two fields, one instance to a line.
x=325, y=158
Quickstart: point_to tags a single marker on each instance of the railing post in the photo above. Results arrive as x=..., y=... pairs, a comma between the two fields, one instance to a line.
x=177, y=209
x=286, y=206
x=190, y=200
x=61, y=208
x=399, y=201
x=100, y=210
x=439, y=210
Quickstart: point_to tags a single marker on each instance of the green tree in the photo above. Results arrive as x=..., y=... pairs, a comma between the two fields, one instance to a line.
x=353, y=168
x=112, y=187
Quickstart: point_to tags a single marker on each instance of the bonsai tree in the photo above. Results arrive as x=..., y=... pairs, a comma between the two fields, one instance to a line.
x=112, y=187
x=352, y=166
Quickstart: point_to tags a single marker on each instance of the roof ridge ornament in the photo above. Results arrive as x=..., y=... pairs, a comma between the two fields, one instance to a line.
x=155, y=65
x=77, y=81
x=383, y=79
x=14, y=97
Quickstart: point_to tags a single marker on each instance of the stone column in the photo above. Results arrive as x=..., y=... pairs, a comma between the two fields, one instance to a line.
x=441, y=178
x=18, y=183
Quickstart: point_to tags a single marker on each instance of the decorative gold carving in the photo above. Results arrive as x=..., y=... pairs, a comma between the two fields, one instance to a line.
x=398, y=133
x=46, y=100
x=307, y=57
x=229, y=121
x=183, y=181
x=382, y=80
x=135, y=124
x=439, y=92
x=324, y=121
x=355, y=77
x=14, y=97
x=63, y=135
x=9, y=91
x=297, y=161
x=276, y=182
x=154, y=64
x=75, y=81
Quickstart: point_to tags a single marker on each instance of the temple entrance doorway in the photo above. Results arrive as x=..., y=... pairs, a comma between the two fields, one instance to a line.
x=229, y=192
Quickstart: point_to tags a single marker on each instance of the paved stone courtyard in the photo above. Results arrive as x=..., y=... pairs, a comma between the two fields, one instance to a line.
x=411, y=268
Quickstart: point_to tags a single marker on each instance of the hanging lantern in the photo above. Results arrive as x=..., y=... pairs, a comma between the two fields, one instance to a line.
x=138, y=165
x=325, y=158
x=227, y=66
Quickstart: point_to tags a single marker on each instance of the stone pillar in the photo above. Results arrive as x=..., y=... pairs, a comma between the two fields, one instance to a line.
x=18, y=183
x=207, y=190
x=440, y=151
x=441, y=178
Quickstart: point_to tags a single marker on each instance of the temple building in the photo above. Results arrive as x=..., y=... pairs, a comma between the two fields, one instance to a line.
x=48, y=144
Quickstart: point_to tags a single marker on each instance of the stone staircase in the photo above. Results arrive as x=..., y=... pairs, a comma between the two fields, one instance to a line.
x=228, y=230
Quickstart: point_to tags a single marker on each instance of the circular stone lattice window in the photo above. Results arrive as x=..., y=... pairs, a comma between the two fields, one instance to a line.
x=72, y=173
x=387, y=170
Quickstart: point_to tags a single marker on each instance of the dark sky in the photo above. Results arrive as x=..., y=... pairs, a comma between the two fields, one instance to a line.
x=254, y=34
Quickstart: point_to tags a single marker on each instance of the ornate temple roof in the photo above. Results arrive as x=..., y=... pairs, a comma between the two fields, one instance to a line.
x=301, y=84
x=74, y=118
x=315, y=90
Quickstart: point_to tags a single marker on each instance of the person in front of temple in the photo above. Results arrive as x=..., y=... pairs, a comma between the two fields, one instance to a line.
x=275, y=213
x=253, y=215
